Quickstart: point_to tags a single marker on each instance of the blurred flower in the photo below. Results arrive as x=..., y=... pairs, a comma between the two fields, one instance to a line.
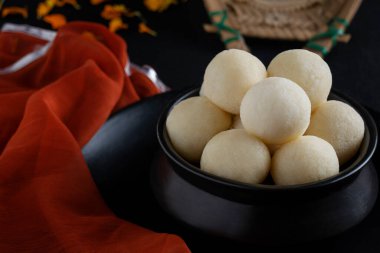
x=55, y=20
x=143, y=28
x=14, y=10
x=114, y=11
x=44, y=8
x=117, y=24
x=96, y=2
x=158, y=5
x=73, y=3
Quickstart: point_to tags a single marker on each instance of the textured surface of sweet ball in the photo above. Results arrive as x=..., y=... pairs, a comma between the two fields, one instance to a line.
x=276, y=110
x=235, y=155
x=307, y=69
x=192, y=123
x=228, y=77
x=304, y=160
x=340, y=125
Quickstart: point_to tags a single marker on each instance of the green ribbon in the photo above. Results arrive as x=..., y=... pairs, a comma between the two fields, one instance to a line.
x=332, y=32
x=223, y=27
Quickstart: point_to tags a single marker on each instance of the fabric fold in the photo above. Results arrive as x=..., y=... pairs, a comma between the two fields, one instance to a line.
x=48, y=111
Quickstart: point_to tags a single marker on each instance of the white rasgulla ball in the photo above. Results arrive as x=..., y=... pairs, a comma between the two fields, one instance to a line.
x=236, y=122
x=307, y=69
x=276, y=110
x=235, y=155
x=340, y=125
x=228, y=77
x=192, y=123
x=304, y=160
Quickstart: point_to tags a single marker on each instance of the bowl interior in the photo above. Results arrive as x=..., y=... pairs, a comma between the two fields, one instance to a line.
x=347, y=170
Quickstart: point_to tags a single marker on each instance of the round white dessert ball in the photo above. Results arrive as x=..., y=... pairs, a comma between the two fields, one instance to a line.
x=228, y=77
x=340, y=125
x=307, y=69
x=276, y=110
x=304, y=160
x=192, y=123
x=235, y=155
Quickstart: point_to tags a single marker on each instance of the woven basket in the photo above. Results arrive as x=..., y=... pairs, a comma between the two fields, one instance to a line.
x=278, y=19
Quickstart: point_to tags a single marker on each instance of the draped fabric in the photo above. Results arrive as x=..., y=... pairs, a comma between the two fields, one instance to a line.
x=49, y=109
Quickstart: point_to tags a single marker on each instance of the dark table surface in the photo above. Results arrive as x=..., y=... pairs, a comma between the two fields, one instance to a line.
x=180, y=54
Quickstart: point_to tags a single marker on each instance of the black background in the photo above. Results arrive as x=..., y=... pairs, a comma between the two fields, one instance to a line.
x=180, y=54
x=182, y=50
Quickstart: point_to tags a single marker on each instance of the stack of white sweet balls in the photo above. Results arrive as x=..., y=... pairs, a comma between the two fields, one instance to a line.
x=250, y=121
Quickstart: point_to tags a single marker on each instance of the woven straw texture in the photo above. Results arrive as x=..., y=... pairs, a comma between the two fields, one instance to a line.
x=281, y=19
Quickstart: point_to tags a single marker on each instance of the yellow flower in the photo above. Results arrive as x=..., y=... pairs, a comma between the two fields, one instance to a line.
x=114, y=11
x=14, y=10
x=143, y=28
x=158, y=5
x=117, y=24
x=96, y=2
x=44, y=8
x=55, y=20
x=73, y=3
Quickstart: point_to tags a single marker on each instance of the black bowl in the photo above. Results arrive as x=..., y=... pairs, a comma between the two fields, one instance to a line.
x=266, y=213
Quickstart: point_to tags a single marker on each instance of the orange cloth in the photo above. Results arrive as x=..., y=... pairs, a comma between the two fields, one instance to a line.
x=48, y=111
